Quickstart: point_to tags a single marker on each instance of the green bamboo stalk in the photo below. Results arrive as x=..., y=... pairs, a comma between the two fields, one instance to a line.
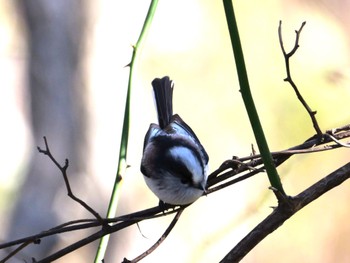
x=249, y=102
x=122, y=162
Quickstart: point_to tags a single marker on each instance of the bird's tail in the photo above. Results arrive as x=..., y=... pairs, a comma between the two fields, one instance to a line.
x=163, y=92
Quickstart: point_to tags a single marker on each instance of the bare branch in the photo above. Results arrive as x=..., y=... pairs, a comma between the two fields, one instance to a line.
x=289, y=79
x=63, y=170
x=110, y=229
x=160, y=240
x=312, y=145
x=285, y=211
x=347, y=145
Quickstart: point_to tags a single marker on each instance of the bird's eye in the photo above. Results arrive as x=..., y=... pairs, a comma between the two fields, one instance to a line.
x=185, y=181
x=179, y=169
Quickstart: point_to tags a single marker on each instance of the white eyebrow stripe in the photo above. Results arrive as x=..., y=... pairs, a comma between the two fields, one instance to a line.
x=189, y=159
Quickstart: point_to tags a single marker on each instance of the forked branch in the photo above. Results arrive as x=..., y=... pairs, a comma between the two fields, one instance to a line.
x=63, y=170
x=289, y=79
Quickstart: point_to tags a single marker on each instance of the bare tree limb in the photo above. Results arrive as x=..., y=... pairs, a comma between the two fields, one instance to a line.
x=311, y=145
x=63, y=170
x=106, y=231
x=287, y=56
x=160, y=240
x=285, y=211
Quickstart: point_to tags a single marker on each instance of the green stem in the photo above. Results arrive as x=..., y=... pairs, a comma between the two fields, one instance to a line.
x=249, y=102
x=122, y=163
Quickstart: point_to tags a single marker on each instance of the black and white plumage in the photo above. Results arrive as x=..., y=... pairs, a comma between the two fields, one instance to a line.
x=174, y=162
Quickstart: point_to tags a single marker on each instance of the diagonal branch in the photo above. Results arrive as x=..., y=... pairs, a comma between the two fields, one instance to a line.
x=289, y=79
x=63, y=170
x=251, y=165
x=284, y=211
x=108, y=230
x=160, y=240
x=221, y=178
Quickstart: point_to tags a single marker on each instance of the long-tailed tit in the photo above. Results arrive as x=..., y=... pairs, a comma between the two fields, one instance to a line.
x=174, y=162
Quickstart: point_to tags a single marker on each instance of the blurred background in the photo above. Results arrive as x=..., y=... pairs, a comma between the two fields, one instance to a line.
x=63, y=76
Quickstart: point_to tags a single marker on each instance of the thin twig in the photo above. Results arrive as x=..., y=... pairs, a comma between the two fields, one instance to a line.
x=347, y=145
x=289, y=79
x=149, y=213
x=14, y=252
x=159, y=241
x=97, y=235
x=311, y=145
x=63, y=170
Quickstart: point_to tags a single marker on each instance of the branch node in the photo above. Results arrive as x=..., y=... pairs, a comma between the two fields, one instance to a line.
x=282, y=198
x=66, y=164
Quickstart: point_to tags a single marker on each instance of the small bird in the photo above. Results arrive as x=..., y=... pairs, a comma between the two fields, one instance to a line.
x=174, y=162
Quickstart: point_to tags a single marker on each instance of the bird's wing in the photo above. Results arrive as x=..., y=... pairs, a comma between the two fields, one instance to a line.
x=177, y=125
x=153, y=130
